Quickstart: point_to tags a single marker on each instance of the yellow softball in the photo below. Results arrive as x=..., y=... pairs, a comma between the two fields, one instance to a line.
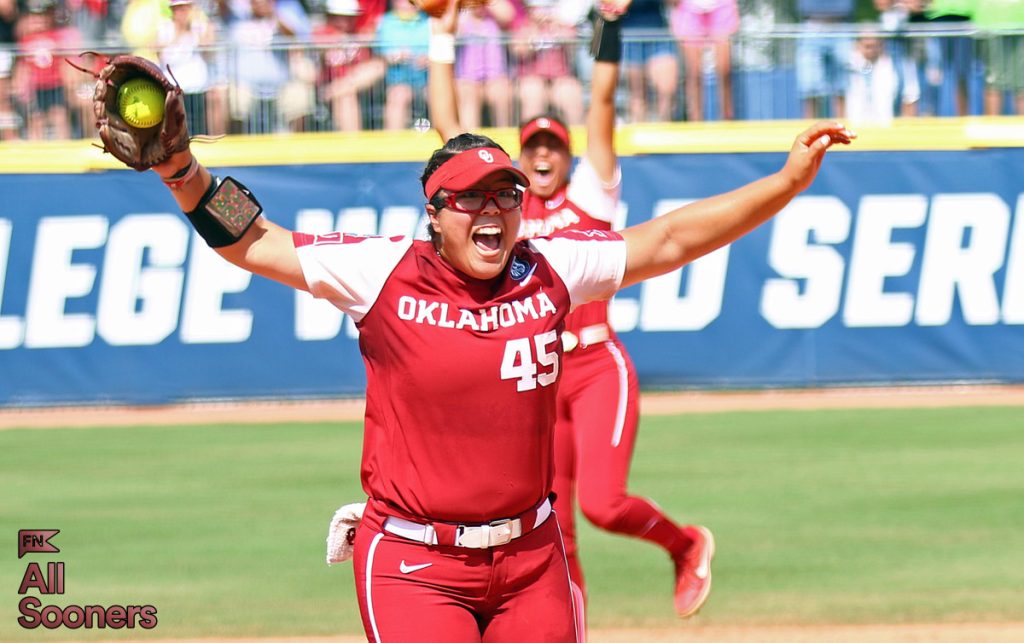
x=141, y=103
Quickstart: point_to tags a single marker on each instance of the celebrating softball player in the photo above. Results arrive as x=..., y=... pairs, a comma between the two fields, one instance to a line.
x=598, y=396
x=460, y=337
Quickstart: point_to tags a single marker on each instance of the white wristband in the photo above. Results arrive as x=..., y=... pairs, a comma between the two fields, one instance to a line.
x=442, y=48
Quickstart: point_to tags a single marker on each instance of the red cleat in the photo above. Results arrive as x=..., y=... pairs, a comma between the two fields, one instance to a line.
x=693, y=571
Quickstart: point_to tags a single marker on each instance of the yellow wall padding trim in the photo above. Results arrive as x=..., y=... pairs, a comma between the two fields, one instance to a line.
x=62, y=157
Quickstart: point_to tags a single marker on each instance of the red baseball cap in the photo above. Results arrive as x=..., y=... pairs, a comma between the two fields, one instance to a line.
x=543, y=124
x=466, y=168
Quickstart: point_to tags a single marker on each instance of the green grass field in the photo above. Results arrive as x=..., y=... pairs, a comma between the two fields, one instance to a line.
x=821, y=517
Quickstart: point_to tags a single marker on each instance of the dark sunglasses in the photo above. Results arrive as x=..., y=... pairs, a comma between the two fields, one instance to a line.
x=474, y=201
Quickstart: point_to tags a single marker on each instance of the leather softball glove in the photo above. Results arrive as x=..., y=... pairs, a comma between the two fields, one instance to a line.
x=138, y=147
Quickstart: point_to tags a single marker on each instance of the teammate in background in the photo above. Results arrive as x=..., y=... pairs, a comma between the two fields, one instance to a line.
x=459, y=335
x=598, y=398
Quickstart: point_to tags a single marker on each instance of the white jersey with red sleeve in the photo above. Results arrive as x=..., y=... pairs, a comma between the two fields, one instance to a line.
x=461, y=373
x=586, y=203
x=588, y=192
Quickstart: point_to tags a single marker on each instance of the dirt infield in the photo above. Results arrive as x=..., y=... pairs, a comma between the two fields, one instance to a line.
x=914, y=633
x=652, y=404
x=917, y=633
x=910, y=633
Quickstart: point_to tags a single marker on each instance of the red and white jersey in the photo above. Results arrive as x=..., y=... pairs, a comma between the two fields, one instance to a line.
x=586, y=203
x=461, y=373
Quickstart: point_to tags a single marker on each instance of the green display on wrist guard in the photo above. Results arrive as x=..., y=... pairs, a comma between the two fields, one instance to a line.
x=225, y=212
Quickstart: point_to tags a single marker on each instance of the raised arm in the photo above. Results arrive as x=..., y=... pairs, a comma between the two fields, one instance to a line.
x=441, y=100
x=265, y=249
x=225, y=213
x=668, y=242
x=607, y=51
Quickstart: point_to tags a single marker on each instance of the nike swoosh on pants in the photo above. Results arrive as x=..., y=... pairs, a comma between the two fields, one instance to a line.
x=408, y=569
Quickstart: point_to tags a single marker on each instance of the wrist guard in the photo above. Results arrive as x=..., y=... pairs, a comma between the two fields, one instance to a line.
x=225, y=212
x=606, y=45
x=441, y=48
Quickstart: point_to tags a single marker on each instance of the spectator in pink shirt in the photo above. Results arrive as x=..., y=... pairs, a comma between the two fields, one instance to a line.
x=481, y=65
x=544, y=50
x=699, y=24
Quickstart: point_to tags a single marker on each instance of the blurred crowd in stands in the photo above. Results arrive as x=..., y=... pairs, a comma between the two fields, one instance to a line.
x=263, y=66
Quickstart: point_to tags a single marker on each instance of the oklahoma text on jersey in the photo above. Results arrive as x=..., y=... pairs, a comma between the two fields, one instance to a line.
x=439, y=313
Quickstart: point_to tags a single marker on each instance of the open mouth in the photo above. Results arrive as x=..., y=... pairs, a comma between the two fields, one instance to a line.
x=543, y=173
x=488, y=239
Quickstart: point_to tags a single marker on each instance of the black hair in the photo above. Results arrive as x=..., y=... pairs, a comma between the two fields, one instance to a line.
x=454, y=146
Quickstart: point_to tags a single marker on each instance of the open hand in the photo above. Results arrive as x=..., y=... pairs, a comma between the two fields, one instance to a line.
x=809, y=149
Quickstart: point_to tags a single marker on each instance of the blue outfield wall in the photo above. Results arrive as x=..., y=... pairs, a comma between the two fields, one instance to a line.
x=892, y=267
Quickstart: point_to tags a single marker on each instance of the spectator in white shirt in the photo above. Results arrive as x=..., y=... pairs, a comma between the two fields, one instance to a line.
x=873, y=84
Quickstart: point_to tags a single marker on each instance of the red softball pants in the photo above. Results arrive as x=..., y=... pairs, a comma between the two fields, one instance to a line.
x=511, y=593
x=598, y=416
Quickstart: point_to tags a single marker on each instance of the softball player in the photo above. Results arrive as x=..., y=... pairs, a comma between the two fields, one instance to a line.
x=460, y=336
x=461, y=340
x=598, y=397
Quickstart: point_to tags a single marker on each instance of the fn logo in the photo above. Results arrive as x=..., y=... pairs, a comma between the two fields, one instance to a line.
x=36, y=540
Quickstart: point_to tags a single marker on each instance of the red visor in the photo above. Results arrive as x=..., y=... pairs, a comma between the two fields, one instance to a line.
x=466, y=168
x=544, y=124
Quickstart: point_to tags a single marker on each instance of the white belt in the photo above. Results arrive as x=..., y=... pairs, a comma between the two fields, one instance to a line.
x=493, y=534
x=589, y=335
